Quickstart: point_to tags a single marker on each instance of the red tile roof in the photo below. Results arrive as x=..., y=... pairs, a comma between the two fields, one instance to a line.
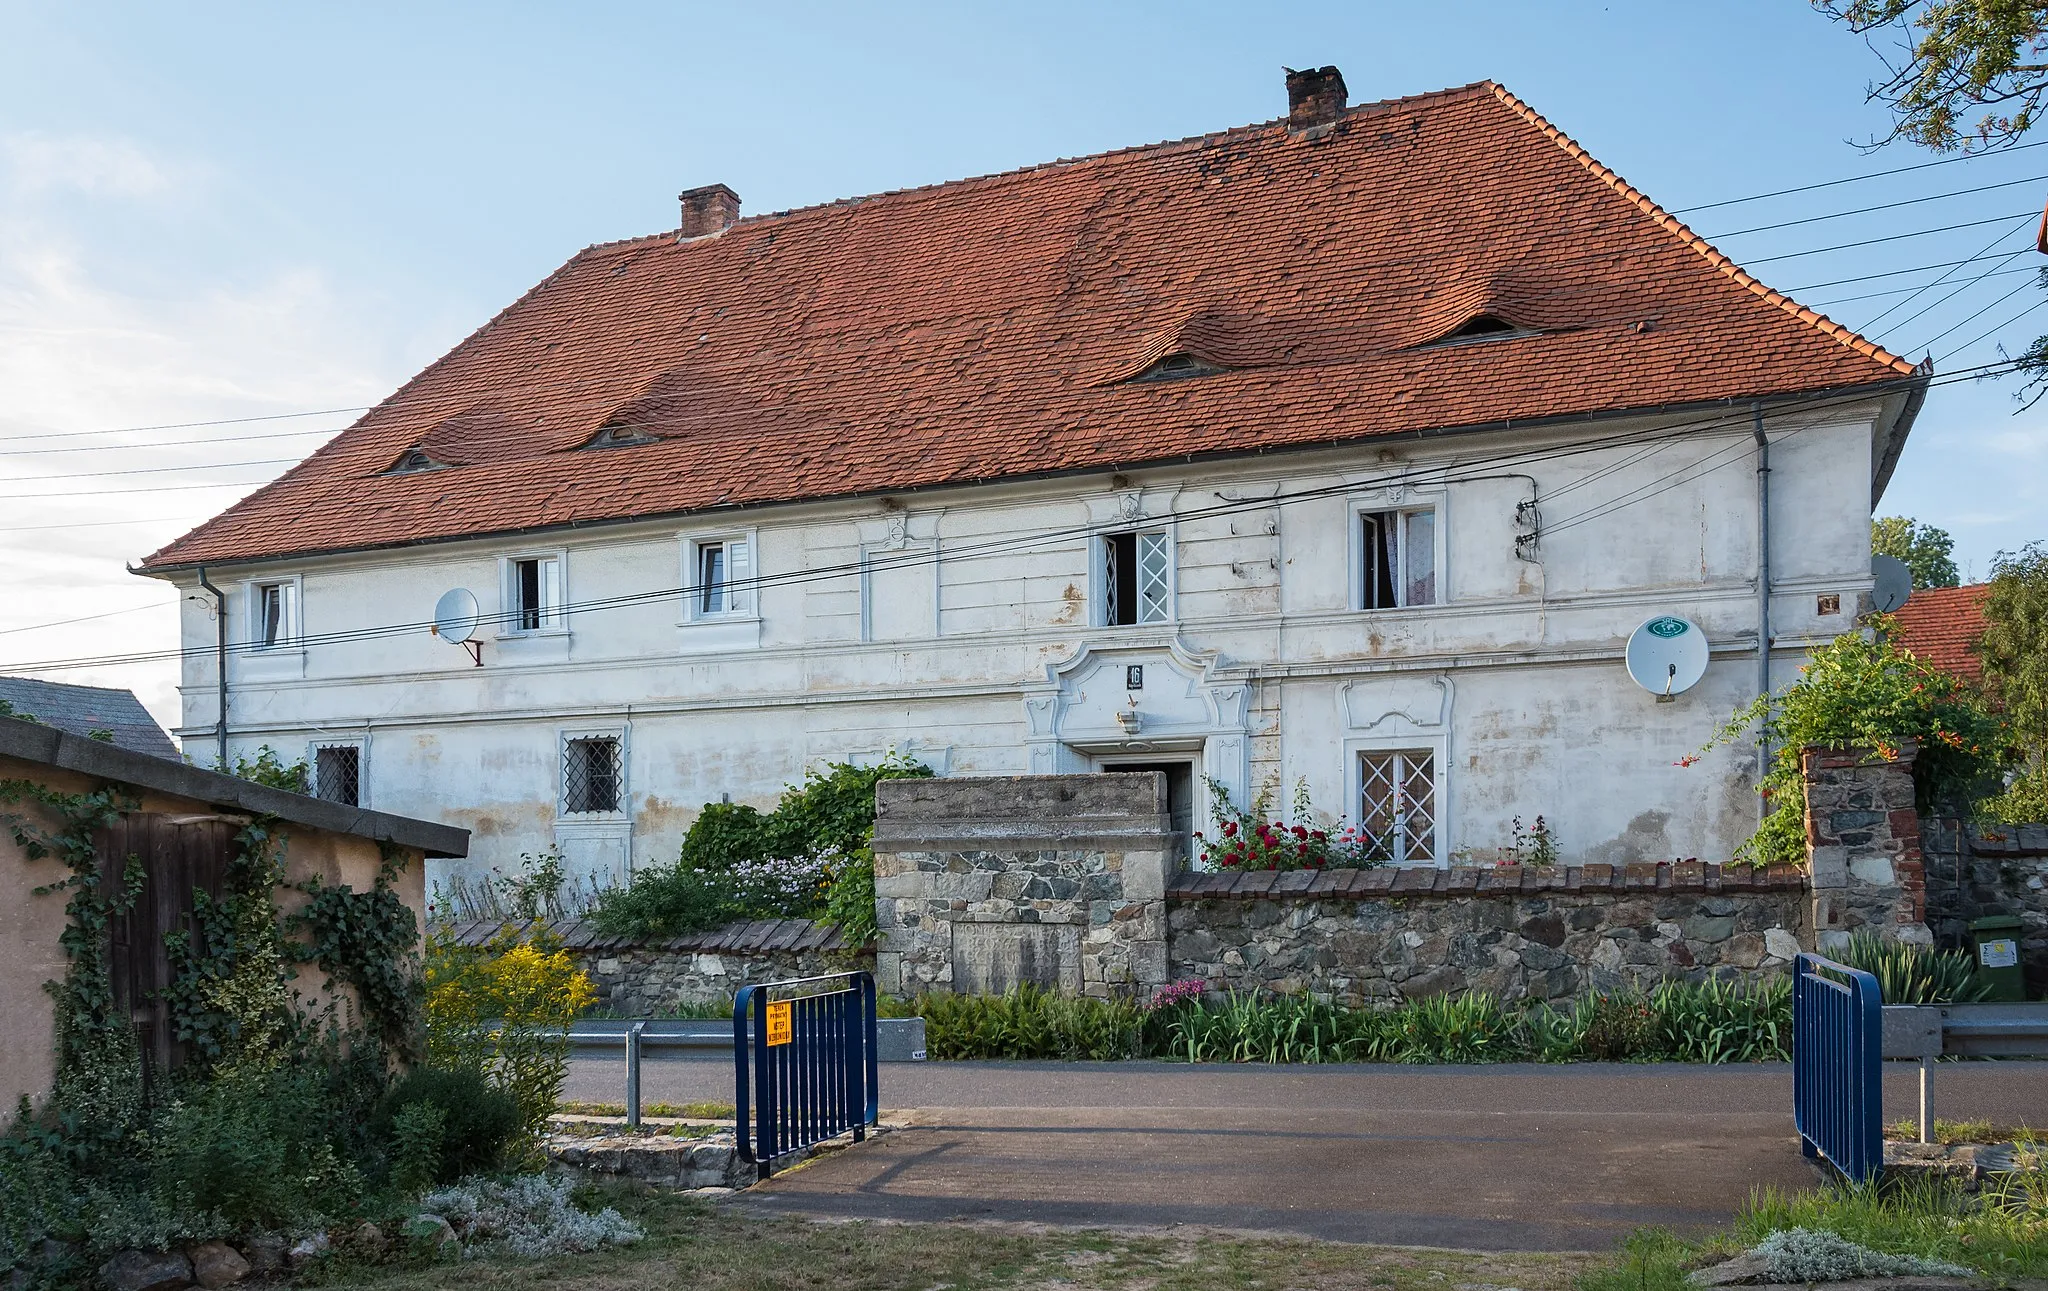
x=1941, y=625
x=986, y=328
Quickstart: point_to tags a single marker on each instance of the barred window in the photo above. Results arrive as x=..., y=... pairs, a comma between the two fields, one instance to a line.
x=1397, y=804
x=591, y=768
x=338, y=774
x=1137, y=578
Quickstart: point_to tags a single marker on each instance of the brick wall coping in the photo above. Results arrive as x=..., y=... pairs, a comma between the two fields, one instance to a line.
x=1401, y=883
x=746, y=937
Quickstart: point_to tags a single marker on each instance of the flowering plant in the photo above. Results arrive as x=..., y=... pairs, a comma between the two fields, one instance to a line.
x=1251, y=838
x=1188, y=990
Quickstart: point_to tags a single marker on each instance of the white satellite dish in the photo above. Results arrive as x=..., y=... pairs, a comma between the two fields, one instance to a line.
x=1894, y=583
x=455, y=620
x=1667, y=656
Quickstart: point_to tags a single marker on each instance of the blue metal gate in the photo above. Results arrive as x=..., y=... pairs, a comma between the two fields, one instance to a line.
x=803, y=1064
x=1837, y=1053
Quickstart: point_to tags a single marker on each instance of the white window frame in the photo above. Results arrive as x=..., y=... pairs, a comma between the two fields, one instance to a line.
x=742, y=585
x=291, y=632
x=362, y=748
x=554, y=620
x=1355, y=753
x=568, y=735
x=1407, y=504
x=1169, y=603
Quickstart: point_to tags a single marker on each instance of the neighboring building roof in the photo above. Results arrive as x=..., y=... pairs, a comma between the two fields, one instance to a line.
x=1942, y=625
x=85, y=709
x=988, y=328
x=34, y=742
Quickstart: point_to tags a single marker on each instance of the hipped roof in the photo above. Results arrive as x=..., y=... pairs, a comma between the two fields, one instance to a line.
x=990, y=328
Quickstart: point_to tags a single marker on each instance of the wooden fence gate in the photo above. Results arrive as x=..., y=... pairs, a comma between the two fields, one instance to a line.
x=179, y=855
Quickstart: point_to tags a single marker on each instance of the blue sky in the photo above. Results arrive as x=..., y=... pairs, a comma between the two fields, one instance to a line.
x=223, y=211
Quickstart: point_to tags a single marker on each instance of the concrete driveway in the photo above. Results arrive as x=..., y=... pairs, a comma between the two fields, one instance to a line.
x=1485, y=1158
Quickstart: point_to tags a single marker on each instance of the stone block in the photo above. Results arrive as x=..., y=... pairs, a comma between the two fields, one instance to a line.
x=1872, y=870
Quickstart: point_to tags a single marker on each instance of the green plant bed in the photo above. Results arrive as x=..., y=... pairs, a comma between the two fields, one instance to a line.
x=1705, y=1022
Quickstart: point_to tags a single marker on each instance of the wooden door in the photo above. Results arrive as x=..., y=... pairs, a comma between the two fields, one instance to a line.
x=179, y=855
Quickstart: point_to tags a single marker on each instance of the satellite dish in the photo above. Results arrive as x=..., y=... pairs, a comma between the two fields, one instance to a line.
x=455, y=620
x=1667, y=656
x=1894, y=583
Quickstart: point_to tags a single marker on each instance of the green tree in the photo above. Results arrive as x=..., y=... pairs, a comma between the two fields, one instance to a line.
x=1951, y=59
x=1924, y=548
x=2015, y=655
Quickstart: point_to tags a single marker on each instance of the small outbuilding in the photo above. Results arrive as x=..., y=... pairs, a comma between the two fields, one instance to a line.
x=179, y=829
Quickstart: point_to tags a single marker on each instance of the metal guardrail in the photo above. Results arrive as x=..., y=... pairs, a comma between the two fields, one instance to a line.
x=1837, y=1098
x=897, y=1040
x=1930, y=1031
x=804, y=1066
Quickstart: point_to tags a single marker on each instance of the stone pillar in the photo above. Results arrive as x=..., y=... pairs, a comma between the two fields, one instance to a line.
x=1863, y=846
x=1057, y=880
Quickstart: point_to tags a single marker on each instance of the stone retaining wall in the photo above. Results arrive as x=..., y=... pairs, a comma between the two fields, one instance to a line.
x=1381, y=936
x=1058, y=881
x=649, y=979
x=1978, y=870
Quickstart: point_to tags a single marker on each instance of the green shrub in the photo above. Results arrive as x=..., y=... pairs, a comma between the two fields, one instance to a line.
x=1618, y=1027
x=1909, y=974
x=1028, y=1022
x=443, y=1123
x=252, y=1149
x=808, y=858
x=1858, y=692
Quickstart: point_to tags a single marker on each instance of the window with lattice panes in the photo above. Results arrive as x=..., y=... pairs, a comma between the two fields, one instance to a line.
x=338, y=774
x=1137, y=578
x=1397, y=551
x=1397, y=804
x=592, y=768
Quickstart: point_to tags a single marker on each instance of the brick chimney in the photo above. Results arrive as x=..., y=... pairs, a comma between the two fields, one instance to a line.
x=1315, y=97
x=709, y=210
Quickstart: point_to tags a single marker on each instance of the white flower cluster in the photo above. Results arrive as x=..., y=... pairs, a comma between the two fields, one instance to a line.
x=793, y=884
x=529, y=1216
x=1814, y=1255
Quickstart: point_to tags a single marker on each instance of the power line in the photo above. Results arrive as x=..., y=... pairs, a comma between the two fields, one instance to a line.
x=1952, y=330
x=1962, y=287
x=1909, y=300
x=1447, y=473
x=1889, y=273
x=1994, y=331
x=152, y=488
x=100, y=524
x=1897, y=237
x=1865, y=210
x=1852, y=179
x=162, y=443
x=64, y=623
x=1894, y=291
x=159, y=470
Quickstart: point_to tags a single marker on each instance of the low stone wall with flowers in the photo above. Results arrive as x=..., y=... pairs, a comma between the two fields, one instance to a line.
x=650, y=979
x=1386, y=935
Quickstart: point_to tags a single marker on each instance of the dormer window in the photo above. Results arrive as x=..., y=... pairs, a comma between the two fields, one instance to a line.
x=617, y=436
x=412, y=461
x=1482, y=327
x=1176, y=367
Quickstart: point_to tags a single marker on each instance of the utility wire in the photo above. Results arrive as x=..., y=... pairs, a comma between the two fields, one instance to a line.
x=1898, y=237
x=1895, y=291
x=1962, y=287
x=1852, y=179
x=1865, y=210
x=1952, y=330
x=1994, y=331
x=1938, y=281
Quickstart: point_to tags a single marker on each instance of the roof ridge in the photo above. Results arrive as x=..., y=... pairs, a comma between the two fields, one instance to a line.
x=1020, y=172
x=1713, y=255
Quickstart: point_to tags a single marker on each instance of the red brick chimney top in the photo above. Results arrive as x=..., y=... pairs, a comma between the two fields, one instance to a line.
x=708, y=210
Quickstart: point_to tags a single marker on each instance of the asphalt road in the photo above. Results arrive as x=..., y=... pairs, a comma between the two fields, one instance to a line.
x=1485, y=1158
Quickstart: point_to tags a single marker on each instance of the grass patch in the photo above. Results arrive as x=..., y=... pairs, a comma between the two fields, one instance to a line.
x=711, y=1248
x=1907, y=1130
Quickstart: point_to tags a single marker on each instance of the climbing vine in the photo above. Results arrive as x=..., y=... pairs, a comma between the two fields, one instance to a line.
x=98, y=1064
x=229, y=995
x=369, y=941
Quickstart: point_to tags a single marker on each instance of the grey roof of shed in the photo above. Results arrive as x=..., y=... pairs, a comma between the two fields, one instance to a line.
x=85, y=709
x=34, y=742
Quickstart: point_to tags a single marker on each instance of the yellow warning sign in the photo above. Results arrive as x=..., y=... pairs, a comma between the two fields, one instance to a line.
x=778, y=1023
